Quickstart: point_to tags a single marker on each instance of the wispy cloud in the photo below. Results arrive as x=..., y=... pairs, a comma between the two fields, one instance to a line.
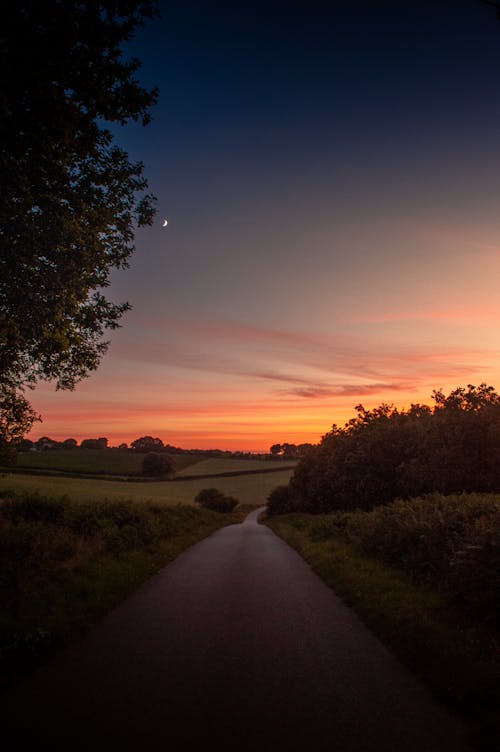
x=345, y=390
x=315, y=365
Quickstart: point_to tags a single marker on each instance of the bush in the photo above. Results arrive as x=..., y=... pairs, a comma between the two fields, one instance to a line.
x=387, y=453
x=450, y=542
x=215, y=500
x=157, y=464
x=279, y=501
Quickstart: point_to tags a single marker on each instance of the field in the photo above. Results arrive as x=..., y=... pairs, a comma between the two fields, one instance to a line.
x=218, y=465
x=123, y=463
x=249, y=489
x=93, y=461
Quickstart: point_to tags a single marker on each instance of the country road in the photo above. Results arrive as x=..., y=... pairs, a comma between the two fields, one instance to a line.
x=237, y=644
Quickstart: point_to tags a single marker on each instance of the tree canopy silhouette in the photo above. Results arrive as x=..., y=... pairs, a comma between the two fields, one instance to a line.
x=385, y=453
x=71, y=198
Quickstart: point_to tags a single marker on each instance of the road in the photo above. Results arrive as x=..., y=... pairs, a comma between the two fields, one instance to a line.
x=236, y=644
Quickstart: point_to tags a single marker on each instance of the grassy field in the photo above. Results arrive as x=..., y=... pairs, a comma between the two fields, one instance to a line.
x=93, y=461
x=216, y=465
x=249, y=489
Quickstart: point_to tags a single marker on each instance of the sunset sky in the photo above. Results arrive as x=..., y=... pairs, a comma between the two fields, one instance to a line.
x=331, y=179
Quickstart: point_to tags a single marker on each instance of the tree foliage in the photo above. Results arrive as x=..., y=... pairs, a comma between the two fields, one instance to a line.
x=386, y=453
x=289, y=451
x=16, y=419
x=71, y=198
x=147, y=444
x=101, y=443
x=279, y=501
x=157, y=464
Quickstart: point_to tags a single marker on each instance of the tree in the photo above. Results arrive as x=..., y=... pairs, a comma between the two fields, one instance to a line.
x=16, y=419
x=74, y=198
x=147, y=444
x=101, y=443
x=279, y=501
x=157, y=464
x=70, y=443
x=386, y=453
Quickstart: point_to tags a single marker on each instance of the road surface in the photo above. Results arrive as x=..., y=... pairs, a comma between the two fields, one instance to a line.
x=236, y=644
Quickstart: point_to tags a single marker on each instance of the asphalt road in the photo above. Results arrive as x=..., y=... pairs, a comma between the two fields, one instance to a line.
x=238, y=645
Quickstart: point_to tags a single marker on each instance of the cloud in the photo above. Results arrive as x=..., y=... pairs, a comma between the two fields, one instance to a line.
x=308, y=361
x=345, y=390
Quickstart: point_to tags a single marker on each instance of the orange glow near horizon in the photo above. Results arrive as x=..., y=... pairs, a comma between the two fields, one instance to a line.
x=282, y=372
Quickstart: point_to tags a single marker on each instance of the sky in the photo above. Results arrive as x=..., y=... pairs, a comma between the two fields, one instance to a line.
x=331, y=177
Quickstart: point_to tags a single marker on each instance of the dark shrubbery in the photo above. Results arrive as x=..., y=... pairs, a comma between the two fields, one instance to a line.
x=386, y=453
x=157, y=464
x=63, y=564
x=278, y=501
x=450, y=542
x=215, y=500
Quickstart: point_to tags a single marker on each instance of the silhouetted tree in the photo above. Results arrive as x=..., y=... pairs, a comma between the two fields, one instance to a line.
x=147, y=444
x=16, y=419
x=71, y=198
x=386, y=453
x=45, y=443
x=100, y=443
x=157, y=464
x=279, y=501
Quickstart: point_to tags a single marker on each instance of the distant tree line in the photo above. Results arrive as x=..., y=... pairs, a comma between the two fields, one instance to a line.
x=45, y=444
x=386, y=453
x=290, y=451
x=143, y=445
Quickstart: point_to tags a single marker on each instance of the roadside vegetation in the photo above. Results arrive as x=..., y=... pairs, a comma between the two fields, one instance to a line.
x=64, y=564
x=386, y=453
x=399, y=512
x=424, y=575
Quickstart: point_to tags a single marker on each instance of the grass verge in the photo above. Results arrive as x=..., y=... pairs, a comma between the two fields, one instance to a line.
x=63, y=565
x=459, y=661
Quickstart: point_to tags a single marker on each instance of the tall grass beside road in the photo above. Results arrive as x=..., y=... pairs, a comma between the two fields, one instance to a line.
x=64, y=564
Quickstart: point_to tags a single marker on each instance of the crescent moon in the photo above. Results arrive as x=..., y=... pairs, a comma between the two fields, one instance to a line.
x=165, y=222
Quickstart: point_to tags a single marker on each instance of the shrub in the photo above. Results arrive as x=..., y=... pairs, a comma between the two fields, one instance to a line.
x=387, y=453
x=215, y=500
x=33, y=508
x=157, y=464
x=451, y=542
x=279, y=501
